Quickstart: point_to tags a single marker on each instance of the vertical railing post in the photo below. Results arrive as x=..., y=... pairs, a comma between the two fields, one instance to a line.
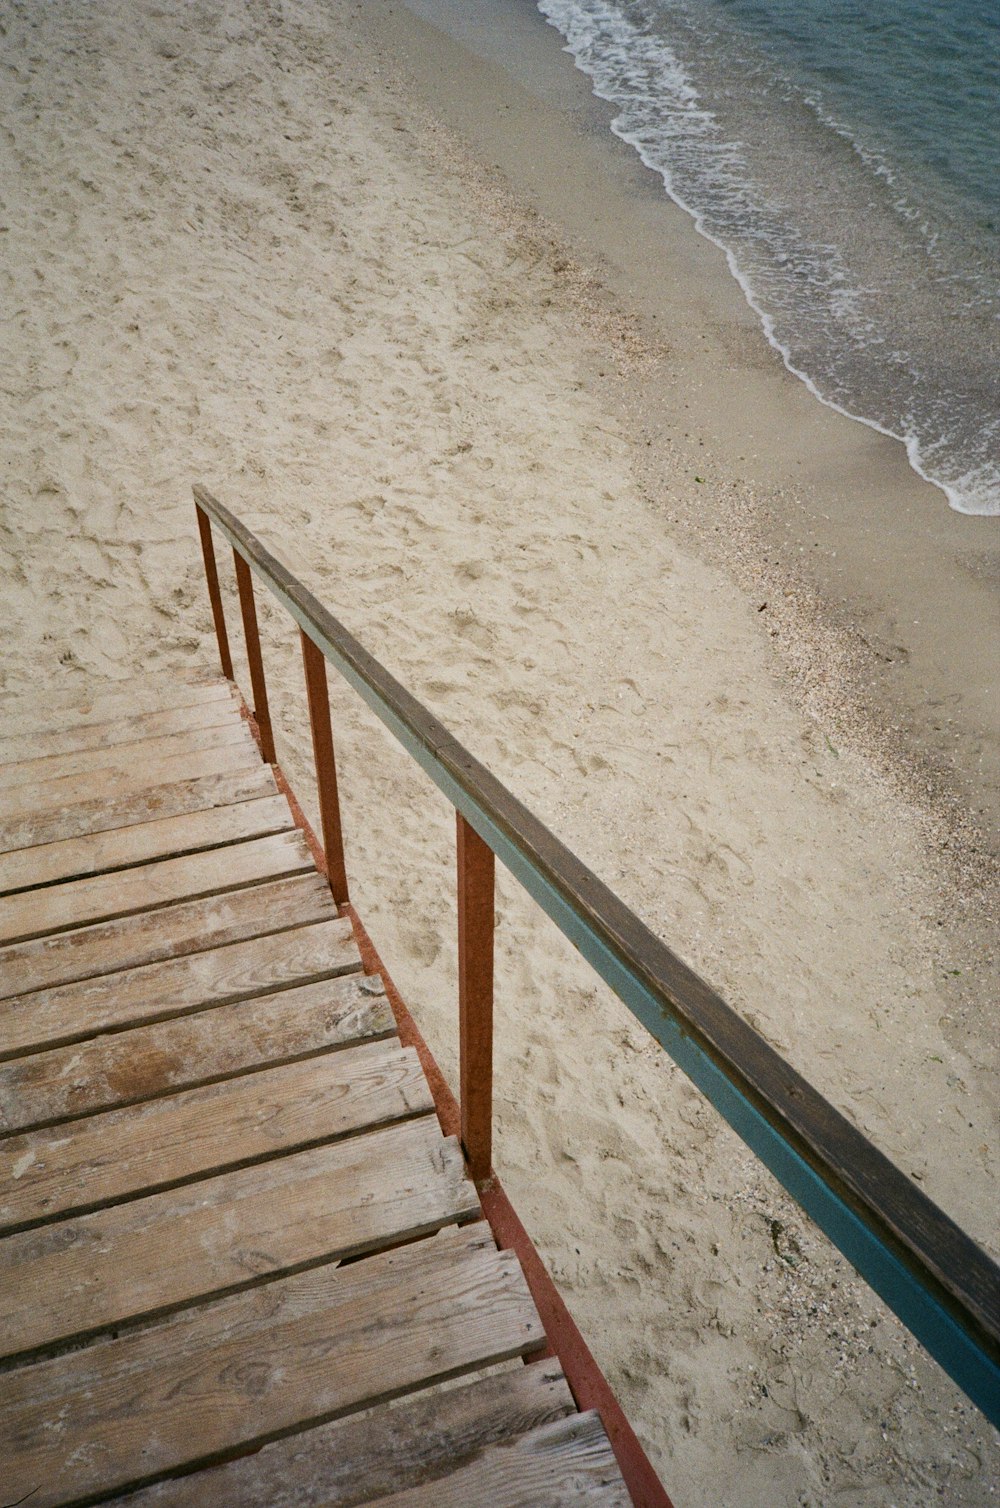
x=326, y=768
x=214, y=595
x=476, y=923
x=251, y=638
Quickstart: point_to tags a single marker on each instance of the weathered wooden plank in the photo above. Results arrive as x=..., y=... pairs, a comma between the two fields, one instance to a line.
x=124, y=847
x=252, y=1367
x=70, y=790
x=188, y=927
x=25, y=787
x=130, y=1066
x=123, y=756
x=193, y=981
x=76, y=687
x=18, y=747
x=78, y=903
x=73, y=706
x=114, y=810
x=566, y=1464
x=159, y=1254
x=81, y=1165
x=346, y=1463
x=178, y=675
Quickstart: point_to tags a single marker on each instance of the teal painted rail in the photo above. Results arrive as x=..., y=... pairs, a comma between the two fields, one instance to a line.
x=939, y=1282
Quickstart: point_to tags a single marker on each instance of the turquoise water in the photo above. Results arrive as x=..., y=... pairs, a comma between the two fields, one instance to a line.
x=920, y=78
x=847, y=159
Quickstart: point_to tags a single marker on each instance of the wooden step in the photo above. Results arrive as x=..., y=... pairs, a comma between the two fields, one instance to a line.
x=567, y=1464
x=344, y=1464
x=158, y=1254
x=147, y=887
x=191, y=982
x=252, y=1367
x=124, y=847
x=122, y=730
x=124, y=758
x=40, y=783
x=189, y=927
x=113, y=810
x=130, y=1066
x=72, y=706
x=71, y=790
x=81, y=1165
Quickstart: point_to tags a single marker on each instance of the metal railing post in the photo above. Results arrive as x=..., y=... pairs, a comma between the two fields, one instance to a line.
x=476, y=923
x=326, y=769
x=251, y=636
x=214, y=595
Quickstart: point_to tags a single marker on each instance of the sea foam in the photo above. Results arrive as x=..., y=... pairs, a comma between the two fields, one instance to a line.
x=875, y=283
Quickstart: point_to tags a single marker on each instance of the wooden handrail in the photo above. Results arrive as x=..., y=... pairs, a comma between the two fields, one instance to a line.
x=939, y=1282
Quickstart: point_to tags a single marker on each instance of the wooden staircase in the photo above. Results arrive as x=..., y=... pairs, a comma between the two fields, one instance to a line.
x=239, y=1262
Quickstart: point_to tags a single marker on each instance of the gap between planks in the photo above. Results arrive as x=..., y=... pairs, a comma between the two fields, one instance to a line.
x=120, y=758
x=120, y=1155
x=388, y=1448
x=77, y=706
x=134, y=1263
x=173, y=797
x=148, y=888
x=262, y=1364
x=142, y=843
x=254, y=967
x=145, y=937
x=52, y=796
x=187, y=1052
x=566, y=1464
x=129, y=768
x=16, y=748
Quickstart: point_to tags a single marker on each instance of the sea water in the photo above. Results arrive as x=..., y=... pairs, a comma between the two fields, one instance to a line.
x=846, y=157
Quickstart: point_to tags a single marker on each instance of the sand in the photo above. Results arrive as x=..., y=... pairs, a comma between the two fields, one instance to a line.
x=240, y=246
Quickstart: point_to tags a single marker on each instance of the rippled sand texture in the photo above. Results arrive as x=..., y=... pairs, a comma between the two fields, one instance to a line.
x=233, y=252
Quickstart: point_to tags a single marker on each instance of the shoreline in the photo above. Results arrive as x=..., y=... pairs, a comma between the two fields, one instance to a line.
x=909, y=585
x=693, y=196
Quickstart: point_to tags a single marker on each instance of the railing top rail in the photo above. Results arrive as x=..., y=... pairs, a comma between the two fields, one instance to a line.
x=935, y=1277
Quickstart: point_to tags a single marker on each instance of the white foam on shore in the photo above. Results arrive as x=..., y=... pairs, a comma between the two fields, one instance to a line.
x=660, y=110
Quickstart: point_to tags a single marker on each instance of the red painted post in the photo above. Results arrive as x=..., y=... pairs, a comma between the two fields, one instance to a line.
x=476, y=923
x=214, y=595
x=251, y=637
x=326, y=768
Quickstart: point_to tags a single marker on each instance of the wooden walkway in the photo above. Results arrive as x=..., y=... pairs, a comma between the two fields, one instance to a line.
x=237, y=1256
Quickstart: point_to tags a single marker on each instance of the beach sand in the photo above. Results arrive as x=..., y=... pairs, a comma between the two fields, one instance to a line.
x=402, y=305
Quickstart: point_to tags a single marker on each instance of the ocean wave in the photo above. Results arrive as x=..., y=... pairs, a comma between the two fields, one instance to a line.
x=822, y=270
